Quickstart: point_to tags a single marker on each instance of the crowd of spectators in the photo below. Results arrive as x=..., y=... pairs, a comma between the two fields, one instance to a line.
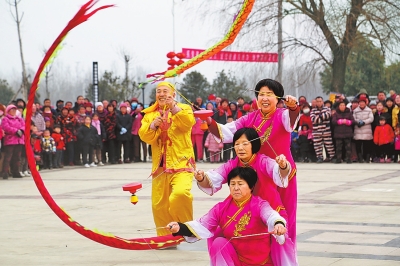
x=360, y=130
x=106, y=132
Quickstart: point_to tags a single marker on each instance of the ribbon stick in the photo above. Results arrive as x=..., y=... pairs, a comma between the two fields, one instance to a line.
x=104, y=238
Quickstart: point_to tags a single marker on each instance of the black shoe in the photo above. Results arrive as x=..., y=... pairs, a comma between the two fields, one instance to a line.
x=320, y=160
x=348, y=161
x=338, y=161
x=127, y=161
x=17, y=175
x=327, y=160
x=5, y=175
x=120, y=161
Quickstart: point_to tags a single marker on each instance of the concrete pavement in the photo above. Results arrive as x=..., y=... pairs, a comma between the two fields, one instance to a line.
x=347, y=215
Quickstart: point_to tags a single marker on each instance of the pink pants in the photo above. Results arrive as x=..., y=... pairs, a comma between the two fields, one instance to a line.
x=223, y=253
x=214, y=156
x=197, y=141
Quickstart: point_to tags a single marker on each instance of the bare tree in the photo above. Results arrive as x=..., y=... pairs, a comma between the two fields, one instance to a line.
x=326, y=29
x=17, y=18
x=47, y=71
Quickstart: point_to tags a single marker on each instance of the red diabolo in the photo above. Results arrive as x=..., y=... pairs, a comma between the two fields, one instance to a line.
x=132, y=188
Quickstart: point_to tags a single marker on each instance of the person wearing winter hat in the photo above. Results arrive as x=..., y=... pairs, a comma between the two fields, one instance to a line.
x=167, y=127
x=13, y=127
x=363, y=117
x=124, y=133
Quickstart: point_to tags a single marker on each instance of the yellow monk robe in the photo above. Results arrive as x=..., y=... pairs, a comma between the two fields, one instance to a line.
x=172, y=154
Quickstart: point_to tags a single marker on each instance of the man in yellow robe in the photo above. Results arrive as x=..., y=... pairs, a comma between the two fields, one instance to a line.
x=167, y=127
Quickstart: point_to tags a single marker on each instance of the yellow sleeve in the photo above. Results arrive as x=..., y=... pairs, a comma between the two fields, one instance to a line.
x=184, y=119
x=147, y=134
x=394, y=117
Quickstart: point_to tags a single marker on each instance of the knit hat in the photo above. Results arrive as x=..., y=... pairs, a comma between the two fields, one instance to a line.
x=46, y=119
x=123, y=105
x=212, y=97
x=246, y=107
x=88, y=104
x=98, y=104
x=134, y=100
x=9, y=107
x=362, y=98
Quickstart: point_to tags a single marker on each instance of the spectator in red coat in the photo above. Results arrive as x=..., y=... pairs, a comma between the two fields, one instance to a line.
x=60, y=146
x=383, y=137
x=305, y=116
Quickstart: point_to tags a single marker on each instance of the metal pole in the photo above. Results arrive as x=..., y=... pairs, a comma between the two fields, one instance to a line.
x=280, y=49
x=143, y=94
x=95, y=82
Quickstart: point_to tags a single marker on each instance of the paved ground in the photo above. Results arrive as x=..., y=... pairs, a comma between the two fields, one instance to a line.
x=348, y=215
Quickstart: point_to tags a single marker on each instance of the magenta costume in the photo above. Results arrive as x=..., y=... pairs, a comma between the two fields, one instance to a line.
x=244, y=227
x=275, y=128
x=266, y=188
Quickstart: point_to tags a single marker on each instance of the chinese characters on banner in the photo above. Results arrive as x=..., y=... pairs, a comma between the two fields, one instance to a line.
x=234, y=56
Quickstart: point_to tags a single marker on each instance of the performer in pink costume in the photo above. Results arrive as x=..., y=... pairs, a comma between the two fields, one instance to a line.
x=245, y=221
x=271, y=173
x=274, y=125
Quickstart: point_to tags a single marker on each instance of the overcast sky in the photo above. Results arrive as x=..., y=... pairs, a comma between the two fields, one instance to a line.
x=143, y=28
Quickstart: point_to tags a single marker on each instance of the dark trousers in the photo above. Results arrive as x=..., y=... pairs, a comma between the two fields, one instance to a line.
x=124, y=144
x=24, y=161
x=137, y=144
x=87, y=149
x=70, y=147
x=227, y=151
x=12, y=157
x=57, y=162
x=363, y=148
x=77, y=152
x=384, y=150
x=47, y=159
x=111, y=150
x=343, y=144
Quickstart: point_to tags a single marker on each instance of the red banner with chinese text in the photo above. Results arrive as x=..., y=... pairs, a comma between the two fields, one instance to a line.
x=234, y=56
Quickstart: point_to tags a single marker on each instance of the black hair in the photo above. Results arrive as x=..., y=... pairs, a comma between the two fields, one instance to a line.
x=390, y=99
x=302, y=96
x=246, y=173
x=240, y=97
x=304, y=125
x=79, y=97
x=381, y=92
x=382, y=118
x=47, y=99
x=328, y=101
x=273, y=85
x=252, y=136
x=59, y=101
x=319, y=97
x=56, y=126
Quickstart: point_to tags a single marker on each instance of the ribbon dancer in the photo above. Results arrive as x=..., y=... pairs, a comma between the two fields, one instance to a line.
x=239, y=215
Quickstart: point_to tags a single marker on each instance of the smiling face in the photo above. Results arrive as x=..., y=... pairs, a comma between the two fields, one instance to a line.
x=239, y=189
x=162, y=93
x=243, y=148
x=266, y=100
